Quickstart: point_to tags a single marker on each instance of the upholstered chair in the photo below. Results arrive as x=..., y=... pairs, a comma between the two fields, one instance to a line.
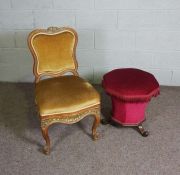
x=60, y=97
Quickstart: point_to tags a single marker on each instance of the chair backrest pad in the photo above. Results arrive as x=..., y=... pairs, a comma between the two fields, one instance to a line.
x=53, y=51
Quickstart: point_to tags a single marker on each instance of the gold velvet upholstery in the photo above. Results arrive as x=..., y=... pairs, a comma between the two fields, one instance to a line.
x=60, y=99
x=64, y=94
x=54, y=52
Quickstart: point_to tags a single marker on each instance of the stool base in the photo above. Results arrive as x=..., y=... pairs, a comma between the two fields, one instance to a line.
x=139, y=127
x=128, y=113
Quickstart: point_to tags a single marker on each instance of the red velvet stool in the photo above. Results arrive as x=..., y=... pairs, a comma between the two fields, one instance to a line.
x=130, y=90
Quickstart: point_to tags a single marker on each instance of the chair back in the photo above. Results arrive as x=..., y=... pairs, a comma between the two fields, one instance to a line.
x=53, y=50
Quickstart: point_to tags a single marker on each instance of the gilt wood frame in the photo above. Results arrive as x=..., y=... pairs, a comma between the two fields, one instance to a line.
x=65, y=118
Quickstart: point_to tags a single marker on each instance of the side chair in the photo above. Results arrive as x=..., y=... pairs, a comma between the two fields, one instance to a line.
x=60, y=98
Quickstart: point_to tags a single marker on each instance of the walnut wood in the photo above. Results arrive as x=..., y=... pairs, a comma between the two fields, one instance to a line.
x=46, y=138
x=95, y=125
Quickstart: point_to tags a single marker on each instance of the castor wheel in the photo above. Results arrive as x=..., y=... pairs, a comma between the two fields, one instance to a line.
x=142, y=131
x=145, y=133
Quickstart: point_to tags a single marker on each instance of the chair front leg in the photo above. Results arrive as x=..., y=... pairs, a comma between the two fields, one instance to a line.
x=96, y=123
x=46, y=149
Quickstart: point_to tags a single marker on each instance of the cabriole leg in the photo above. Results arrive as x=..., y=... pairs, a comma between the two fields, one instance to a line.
x=46, y=149
x=96, y=123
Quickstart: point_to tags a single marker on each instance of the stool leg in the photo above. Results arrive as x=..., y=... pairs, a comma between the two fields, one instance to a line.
x=108, y=121
x=105, y=121
x=142, y=131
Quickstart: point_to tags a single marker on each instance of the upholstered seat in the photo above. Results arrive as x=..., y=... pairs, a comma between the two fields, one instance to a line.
x=64, y=94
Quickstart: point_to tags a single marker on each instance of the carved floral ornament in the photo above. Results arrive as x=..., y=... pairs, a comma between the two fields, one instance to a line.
x=69, y=119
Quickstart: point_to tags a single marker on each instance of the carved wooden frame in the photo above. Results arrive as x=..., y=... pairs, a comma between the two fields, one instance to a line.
x=51, y=31
x=65, y=118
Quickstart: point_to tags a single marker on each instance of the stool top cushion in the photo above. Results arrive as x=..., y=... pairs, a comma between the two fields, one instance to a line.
x=130, y=84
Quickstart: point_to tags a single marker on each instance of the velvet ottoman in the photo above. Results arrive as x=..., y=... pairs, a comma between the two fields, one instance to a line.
x=130, y=90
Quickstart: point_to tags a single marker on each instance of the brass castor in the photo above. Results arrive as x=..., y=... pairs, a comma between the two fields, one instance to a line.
x=142, y=131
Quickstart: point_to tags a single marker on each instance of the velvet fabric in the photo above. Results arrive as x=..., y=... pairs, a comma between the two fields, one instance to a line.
x=54, y=53
x=130, y=90
x=128, y=113
x=65, y=94
x=131, y=85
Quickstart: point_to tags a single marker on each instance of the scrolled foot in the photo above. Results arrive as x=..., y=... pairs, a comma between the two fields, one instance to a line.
x=46, y=150
x=142, y=131
x=95, y=136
